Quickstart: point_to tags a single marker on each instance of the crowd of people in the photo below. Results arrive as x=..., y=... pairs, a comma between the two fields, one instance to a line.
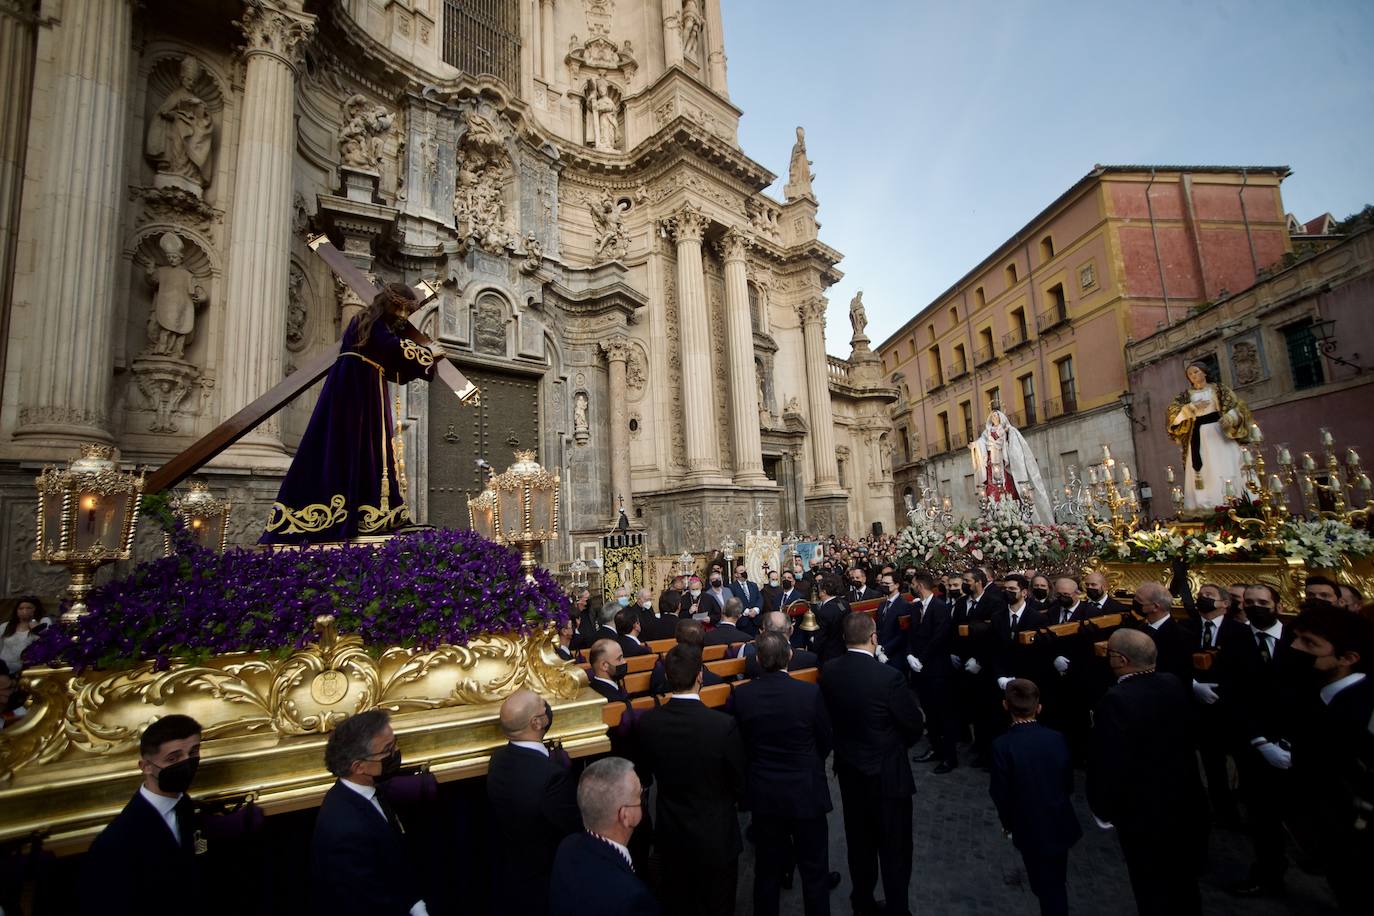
x=1235, y=693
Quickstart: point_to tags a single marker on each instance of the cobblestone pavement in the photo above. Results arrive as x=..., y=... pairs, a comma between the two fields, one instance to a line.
x=963, y=865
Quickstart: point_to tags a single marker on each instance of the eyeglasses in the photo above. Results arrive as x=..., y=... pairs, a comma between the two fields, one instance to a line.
x=383, y=753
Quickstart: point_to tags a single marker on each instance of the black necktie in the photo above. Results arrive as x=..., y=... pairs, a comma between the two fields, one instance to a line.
x=186, y=826
x=1265, y=654
x=1014, y=618
x=390, y=813
x=1207, y=628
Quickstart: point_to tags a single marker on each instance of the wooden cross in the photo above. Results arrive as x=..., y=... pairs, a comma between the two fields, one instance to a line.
x=249, y=418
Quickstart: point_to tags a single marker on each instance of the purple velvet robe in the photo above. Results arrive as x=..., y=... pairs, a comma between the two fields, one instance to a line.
x=334, y=488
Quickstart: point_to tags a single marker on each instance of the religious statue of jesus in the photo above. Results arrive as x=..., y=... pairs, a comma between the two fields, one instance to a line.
x=343, y=480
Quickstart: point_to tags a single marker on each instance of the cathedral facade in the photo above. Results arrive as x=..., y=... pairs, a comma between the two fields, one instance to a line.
x=566, y=173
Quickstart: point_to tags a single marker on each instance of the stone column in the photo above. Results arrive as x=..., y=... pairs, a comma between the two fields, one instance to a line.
x=818, y=396
x=715, y=49
x=17, y=49
x=617, y=352
x=672, y=33
x=66, y=385
x=536, y=12
x=739, y=329
x=260, y=224
x=698, y=408
x=549, y=44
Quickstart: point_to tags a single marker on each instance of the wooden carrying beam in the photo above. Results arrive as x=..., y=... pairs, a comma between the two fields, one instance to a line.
x=1027, y=637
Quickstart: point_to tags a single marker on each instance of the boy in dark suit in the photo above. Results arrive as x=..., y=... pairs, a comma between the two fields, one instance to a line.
x=151, y=850
x=1032, y=779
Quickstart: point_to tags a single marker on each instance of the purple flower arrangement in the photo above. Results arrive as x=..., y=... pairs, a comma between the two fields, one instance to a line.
x=418, y=590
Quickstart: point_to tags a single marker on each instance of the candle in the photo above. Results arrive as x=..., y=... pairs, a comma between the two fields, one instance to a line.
x=1285, y=457
x=1169, y=473
x=1126, y=474
x=1245, y=459
x=1106, y=455
x=1255, y=435
x=1092, y=474
x=1364, y=486
x=1326, y=438
x=946, y=504
x=1276, y=485
x=1352, y=458
x=1230, y=489
x=1308, y=462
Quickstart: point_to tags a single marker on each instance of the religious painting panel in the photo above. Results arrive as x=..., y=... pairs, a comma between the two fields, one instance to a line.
x=762, y=550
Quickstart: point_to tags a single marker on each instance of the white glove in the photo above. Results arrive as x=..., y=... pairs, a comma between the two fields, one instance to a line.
x=1002, y=683
x=882, y=656
x=915, y=663
x=1205, y=693
x=1061, y=664
x=1105, y=825
x=972, y=666
x=956, y=661
x=1274, y=755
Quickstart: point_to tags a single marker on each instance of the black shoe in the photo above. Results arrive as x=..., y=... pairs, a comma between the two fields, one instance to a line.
x=834, y=880
x=1250, y=888
x=924, y=758
x=943, y=768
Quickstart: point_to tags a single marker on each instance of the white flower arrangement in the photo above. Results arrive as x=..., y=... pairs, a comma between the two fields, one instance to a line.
x=1323, y=543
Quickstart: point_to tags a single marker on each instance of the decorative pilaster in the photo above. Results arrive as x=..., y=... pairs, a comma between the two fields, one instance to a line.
x=260, y=230
x=16, y=90
x=548, y=44
x=739, y=331
x=715, y=49
x=617, y=353
x=672, y=33
x=812, y=316
x=688, y=225
x=66, y=386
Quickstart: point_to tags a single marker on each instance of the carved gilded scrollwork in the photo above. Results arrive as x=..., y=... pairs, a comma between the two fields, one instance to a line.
x=75, y=716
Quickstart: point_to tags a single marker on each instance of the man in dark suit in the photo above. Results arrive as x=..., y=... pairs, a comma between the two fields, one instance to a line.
x=1332, y=746
x=887, y=617
x=750, y=597
x=535, y=801
x=584, y=617
x=1173, y=643
x=1256, y=700
x=670, y=601
x=592, y=873
x=780, y=623
x=1001, y=657
x=875, y=719
x=359, y=863
x=565, y=641
x=1098, y=599
x=604, y=627
x=727, y=631
x=689, y=632
x=788, y=592
x=1069, y=691
x=697, y=758
x=627, y=632
x=654, y=622
x=928, y=657
x=1143, y=778
x=153, y=848
x=1213, y=742
x=786, y=733
x=859, y=589
x=715, y=596
x=607, y=661
x=1032, y=781
x=828, y=641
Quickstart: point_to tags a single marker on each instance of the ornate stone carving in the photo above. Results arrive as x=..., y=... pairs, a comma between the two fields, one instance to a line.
x=581, y=429
x=172, y=319
x=692, y=532
x=612, y=244
x=297, y=312
x=603, y=113
x=174, y=206
x=812, y=310
x=534, y=254
x=799, y=174
x=181, y=134
x=692, y=23
x=483, y=172
x=617, y=349
x=269, y=29
x=636, y=373
x=687, y=224
x=164, y=382
x=360, y=135
x=858, y=318
x=489, y=327
x=734, y=245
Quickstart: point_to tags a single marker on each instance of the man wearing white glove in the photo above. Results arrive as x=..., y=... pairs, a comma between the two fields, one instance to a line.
x=1214, y=728
x=928, y=641
x=1141, y=739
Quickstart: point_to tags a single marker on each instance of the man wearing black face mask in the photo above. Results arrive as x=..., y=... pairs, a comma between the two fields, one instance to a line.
x=359, y=860
x=1255, y=698
x=1213, y=743
x=1098, y=601
x=154, y=846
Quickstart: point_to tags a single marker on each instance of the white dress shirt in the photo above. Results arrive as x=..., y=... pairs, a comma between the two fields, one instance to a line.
x=618, y=847
x=1156, y=624
x=164, y=806
x=679, y=696
x=531, y=745
x=1330, y=690
x=1274, y=633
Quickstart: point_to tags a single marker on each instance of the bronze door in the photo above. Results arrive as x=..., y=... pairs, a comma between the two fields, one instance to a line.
x=507, y=419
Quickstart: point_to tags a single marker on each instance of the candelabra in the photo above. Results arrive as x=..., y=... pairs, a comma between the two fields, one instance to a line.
x=578, y=568
x=1077, y=503
x=1175, y=491
x=1265, y=493
x=1123, y=512
x=727, y=552
x=933, y=510
x=1345, y=486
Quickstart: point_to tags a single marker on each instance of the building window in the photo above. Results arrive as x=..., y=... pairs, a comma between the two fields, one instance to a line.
x=1068, y=392
x=840, y=472
x=937, y=371
x=966, y=414
x=1028, y=398
x=1304, y=359
x=904, y=434
x=995, y=397
x=1047, y=248
x=943, y=419
x=483, y=37
x=985, y=352
x=1059, y=306
x=979, y=297
x=960, y=365
x=1011, y=275
x=954, y=316
x=1020, y=332
x=754, y=310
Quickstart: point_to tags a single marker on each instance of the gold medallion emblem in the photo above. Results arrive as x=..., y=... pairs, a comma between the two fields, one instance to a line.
x=329, y=687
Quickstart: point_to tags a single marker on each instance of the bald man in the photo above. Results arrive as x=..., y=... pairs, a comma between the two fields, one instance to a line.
x=534, y=799
x=1174, y=642
x=1143, y=778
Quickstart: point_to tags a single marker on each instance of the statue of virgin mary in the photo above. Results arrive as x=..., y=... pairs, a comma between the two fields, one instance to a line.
x=1005, y=468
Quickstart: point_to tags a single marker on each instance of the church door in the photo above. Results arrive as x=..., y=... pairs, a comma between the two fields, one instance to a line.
x=507, y=419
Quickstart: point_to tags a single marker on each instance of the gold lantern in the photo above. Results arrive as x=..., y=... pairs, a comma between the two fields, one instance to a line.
x=482, y=514
x=205, y=517
x=86, y=516
x=526, y=507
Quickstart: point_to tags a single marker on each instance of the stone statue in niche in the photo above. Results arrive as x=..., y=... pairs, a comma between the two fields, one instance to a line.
x=604, y=111
x=173, y=316
x=691, y=28
x=581, y=431
x=799, y=174
x=181, y=135
x=609, y=225
x=360, y=136
x=858, y=318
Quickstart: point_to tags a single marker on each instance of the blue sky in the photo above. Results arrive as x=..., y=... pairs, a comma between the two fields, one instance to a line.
x=938, y=129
